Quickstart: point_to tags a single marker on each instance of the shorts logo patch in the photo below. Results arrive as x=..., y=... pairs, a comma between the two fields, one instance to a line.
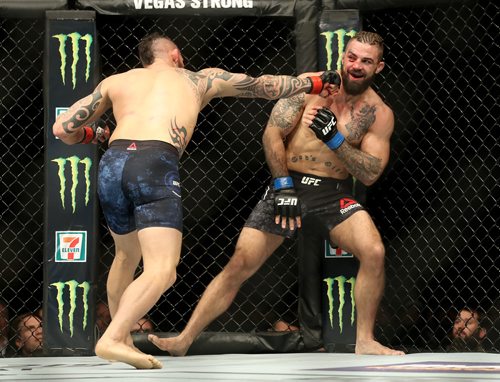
x=347, y=204
x=310, y=181
x=132, y=146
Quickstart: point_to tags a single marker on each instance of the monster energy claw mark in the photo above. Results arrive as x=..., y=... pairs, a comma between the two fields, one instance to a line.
x=341, y=35
x=341, y=281
x=73, y=298
x=74, y=162
x=75, y=39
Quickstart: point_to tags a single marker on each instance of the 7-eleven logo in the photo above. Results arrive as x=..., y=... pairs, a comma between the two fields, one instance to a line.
x=335, y=253
x=71, y=246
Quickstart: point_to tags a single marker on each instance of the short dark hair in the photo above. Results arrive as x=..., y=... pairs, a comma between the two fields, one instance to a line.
x=146, y=52
x=371, y=38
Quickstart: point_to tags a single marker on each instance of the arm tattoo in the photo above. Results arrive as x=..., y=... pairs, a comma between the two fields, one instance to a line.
x=266, y=86
x=362, y=166
x=178, y=136
x=83, y=113
x=276, y=163
x=272, y=87
x=285, y=112
x=283, y=117
x=360, y=122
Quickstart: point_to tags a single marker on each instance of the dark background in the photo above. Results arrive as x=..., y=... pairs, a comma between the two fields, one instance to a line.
x=436, y=204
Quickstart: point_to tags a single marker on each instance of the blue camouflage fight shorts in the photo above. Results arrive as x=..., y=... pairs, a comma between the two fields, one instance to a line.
x=139, y=186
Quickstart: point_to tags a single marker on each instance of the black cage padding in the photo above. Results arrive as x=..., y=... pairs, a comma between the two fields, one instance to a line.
x=230, y=343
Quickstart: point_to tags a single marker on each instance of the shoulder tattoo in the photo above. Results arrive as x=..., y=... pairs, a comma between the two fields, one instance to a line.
x=193, y=80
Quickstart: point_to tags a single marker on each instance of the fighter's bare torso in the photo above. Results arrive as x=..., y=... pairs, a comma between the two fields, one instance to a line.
x=305, y=153
x=155, y=104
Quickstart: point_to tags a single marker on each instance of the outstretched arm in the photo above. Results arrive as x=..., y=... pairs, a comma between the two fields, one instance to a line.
x=220, y=83
x=71, y=126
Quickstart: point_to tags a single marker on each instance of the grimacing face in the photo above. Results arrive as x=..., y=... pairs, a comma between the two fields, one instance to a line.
x=360, y=63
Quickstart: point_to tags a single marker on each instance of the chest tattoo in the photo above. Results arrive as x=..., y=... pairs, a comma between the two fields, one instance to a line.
x=360, y=122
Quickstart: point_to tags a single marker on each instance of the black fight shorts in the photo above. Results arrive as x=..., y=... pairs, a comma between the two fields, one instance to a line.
x=139, y=186
x=327, y=200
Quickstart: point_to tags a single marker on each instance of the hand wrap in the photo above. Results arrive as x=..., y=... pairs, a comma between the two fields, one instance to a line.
x=92, y=131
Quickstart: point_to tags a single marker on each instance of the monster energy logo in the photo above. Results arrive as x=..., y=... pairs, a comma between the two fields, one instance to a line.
x=72, y=287
x=74, y=40
x=74, y=161
x=341, y=282
x=340, y=36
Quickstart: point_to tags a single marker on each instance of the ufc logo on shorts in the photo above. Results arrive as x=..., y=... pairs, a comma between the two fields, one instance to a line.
x=310, y=181
x=287, y=201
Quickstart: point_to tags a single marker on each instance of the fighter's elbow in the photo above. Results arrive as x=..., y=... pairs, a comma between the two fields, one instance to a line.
x=59, y=132
x=370, y=179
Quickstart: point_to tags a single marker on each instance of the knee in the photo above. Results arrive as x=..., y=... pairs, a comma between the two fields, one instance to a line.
x=240, y=267
x=162, y=278
x=126, y=261
x=374, y=256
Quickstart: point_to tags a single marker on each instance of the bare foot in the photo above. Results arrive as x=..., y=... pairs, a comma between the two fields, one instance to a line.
x=130, y=342
x=173, y=345
x=283, y=326
x=373, y=347
x=119, y=351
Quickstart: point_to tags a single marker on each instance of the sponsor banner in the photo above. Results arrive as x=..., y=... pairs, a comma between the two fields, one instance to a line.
x=335, y=29
x=74, y=176
x=71, y=215
x=283, y=8
x=341, y=305
x=335, y=252
x=72, y=305
x=71, y=246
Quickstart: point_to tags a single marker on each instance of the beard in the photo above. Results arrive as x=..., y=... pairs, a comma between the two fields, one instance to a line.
x=467, y=344
x=355, y=87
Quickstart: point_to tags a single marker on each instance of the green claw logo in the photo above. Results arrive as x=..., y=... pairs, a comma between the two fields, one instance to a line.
x=340, y=35
x=73, y=288
x=341, y=283
x=74, y=40
x=74, y=161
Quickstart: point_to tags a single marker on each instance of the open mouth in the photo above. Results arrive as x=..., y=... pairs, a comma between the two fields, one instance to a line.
x=356, y=75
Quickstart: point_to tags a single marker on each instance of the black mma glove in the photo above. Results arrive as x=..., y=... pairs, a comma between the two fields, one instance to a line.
x=324, y=126
x=318, y=82
x=286, y=202
x=93, y=131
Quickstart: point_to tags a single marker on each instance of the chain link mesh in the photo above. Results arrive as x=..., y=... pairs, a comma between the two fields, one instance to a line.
x=436, y=205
